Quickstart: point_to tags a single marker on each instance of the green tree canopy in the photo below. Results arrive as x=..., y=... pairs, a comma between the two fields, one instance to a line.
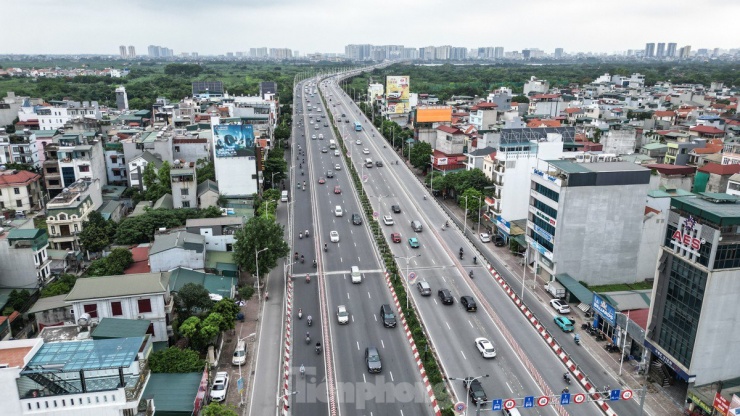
x=140, y=229
x=275, y=166
x=116, y=263
x=421, y=155
x=218, y=409
x=205, y=169
x=176, y=360
x=62, y=285
x=520, y=99
x=260, y=232
x=473, y=199
x=96, y=233
x=228, y=309
x=193, y=298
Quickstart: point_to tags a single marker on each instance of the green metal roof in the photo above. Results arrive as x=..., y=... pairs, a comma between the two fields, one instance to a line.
x=219, y=285
x=118, y=286
x=174, y=394
x=667, y=193
x=576, y=289
x=24, y=234
x=120, y=328
x=654, y=146
x=720, y=209
x=569, y=167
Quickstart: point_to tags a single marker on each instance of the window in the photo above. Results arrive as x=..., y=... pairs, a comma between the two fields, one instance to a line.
x=186, y=204
x=145, y=305
x=17, y=191
x=114, y=159
x=19, y=203
x=53, y=229
x=116, y=309
x=177, y=149
x=53, y=182
x=92, y=309
x=52, y=170
x=184, y=191
x=84, y=168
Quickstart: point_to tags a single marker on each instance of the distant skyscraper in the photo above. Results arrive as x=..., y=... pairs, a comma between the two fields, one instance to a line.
x=661, y=50
x=122, y=51
x=684, y=52
x=558, y=53
x=671, y=52
x=649, y=50
x=498, y=52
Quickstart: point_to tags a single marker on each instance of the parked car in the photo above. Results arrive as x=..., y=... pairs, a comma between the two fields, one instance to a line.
x=424, y=288
x=499, y=241
x=469, y=303
x=485, y=237
x=220, y=386
x=564, y=323
x=445, y=296
x=485, y=347
x=475, y=390
x=560, y=305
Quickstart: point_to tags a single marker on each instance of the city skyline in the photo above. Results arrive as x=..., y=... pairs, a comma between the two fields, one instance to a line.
x=326, y=27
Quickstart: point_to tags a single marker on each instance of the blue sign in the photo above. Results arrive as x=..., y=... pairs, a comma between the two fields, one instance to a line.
x=614, y=395
x=529, y=401
x=543, y=233
x=497, y=404
x=604, y=309
x=565, y=398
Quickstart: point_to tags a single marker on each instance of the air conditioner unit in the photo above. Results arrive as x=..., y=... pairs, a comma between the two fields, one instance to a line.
x=140, y=317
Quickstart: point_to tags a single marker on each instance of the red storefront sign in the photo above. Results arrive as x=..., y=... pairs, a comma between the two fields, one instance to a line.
x=721, y=404
x=687, y=240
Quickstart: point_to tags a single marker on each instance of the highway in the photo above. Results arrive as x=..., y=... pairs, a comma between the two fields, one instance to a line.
x=357, y=391
x=525, y=365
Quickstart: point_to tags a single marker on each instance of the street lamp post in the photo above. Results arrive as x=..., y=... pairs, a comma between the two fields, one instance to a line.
x=408, y=288
x=468, y=381
x=257, y=271
x=431, y=179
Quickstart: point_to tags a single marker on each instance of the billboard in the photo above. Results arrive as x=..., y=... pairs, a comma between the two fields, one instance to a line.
x=397, y=88
x=437, y=114
x=397, y=108
x=233, y=140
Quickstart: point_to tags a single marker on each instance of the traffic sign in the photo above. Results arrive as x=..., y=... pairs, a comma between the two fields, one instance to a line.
x=509, y=404
x=240, y=385
x=614, y=394
x=579, y=398
x=412, y=277
x=376, y=214
x=459, y=406
x=543, y=401
x=529, y=401
x=497, y=404
x=565, y=398
x=364, y=178
x=626, y=394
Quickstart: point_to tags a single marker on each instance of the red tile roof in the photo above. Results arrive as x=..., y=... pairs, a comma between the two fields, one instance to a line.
x=23, y=177
x=707, y=130
x=449, y=129
x=535, y=123
x=718, y=169
x=664, y=114
x=714, y=146
x=640, y=317
x=545, y=96
x=573, y=110
x=668, y=169
x=140, y=262
x=486, y=105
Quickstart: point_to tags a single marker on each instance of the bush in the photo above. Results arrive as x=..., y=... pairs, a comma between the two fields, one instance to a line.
x=246, y=292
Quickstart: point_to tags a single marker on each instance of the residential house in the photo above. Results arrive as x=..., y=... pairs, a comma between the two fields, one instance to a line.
x=656, y=151
x=668, y=117
x=129, y=296
x=68, y=210
x=177, y=248
x=483, y=116
x=733, y=185
x=706, y=132
x=714, y=178
x=113, y=210
x=218, y=232
x=20, y=191
x=476, y=157
x=223, y=286
x=136, y=168
x=19, y=148
x=667, y=176
x=184, y=184
x=51, y=311
x=700, y=156
x=115, y=163
x=208, y=194
x=80, y=156
x=450, y=140
x=24, y=261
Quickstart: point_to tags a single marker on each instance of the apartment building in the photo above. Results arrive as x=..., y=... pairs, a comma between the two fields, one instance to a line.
x=184, y=185
x=24, y=261
x=20, y=191
x=19, y=148
x=80, y=156
x=67, y=211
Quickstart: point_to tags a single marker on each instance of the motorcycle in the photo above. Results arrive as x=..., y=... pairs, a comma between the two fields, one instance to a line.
x=314, y=263
x=318, y=348
x=308, y=278
x=470, y=274
x=267, y=296
x=295, y=257
x=303, y=259
x=309, y=320
x=461, y=255
x=566, y=377
x=300, y=313
x=308, y=338
x=300, y=236
x=577, y=339
x=475, y=260
x=306, y=233
x=326, y=248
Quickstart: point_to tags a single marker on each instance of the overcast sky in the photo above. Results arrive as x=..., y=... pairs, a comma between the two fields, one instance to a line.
x=220, y=26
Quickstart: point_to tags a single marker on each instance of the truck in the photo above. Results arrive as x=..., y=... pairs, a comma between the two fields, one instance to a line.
x=556, y=289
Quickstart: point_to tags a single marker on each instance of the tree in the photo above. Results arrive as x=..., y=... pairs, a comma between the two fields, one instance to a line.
x=62, y=285
x=211, y=327
x=115, y=264
x=193, y=298
x=275, y=167
x=176, y=360
x=520, y=99
x=421, y=155
x=473, y=199
x=205, y=169
x=260, y=232
x=137, y=230
x=189, y=327
x=17, y=299
x=97, y=233
x=218, y=409
x=228, y=310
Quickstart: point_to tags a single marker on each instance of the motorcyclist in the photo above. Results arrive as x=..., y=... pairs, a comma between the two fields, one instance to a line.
x=470, y=274
x=318, y=348
x=475, y=260
x=314, y=263
x=577, y=339
x=300, y=313
x=302, y=258
x=566, y=377
x=309, y=319
x=303, y=370
x=326, y=247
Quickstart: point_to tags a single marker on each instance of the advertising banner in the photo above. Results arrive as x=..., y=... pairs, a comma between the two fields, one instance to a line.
x=397, y=88
x=397, y=108
x=233, y=140
x=604, y=309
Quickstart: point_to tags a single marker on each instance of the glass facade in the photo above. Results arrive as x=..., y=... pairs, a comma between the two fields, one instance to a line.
x=546, y=208
x=683, y=303
x=545, y=225
x=545, y=191
x=728, y=256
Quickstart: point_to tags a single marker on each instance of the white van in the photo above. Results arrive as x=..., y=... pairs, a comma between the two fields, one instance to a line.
x=338, y=211
x=284, y=196
x=356, y=275
x=240, y=353
x=332, y=144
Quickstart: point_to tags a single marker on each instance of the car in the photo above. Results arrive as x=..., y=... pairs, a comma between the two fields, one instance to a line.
x=379, y=164
x=329, y=173
x=311, y=120
x=337, y=189
x=324, y=150
x=326, y=124
x=388, y=220
x=387, y=315
x=396, y=209
x=321, y=137
x=220, y=386
x=468, y=303
x=499, y=241
x=358, y=142
x=356, y=219
x=413, y=242
x=346, y=120
x=366, y=151
x=342, y=314
x=322, y=180
x=475, y=390
x=560, y=305
x=337, y=166
x=424, y=288
x=445, y=296
x=372, y=360
x=485, y=237
x=313, y=137
x=485, y=347
x=336, y=152
x=396, y=237
x=334, y=236
x=564, y=323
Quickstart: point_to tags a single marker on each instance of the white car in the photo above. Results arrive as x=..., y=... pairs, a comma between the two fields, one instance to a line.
x=313, y=137
x=485, y=347
x=485, y=237
x=337, y=167
x=560, y=305
x=220, y=386
x=342, y=314
x=334, y=236
x=388, y=220
x=366, y=151
x=358, y=142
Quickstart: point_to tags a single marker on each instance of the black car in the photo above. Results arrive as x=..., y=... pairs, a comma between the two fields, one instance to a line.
x=379, y=164
x=469, y=303
x=356, y=219
x=499, y=241
x=475, y=389
x=445, y=296
x=372, y=359
x=396, y=209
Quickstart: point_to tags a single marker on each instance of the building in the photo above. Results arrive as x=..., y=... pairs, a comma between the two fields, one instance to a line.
x=714, y=178
x=121, y=98
x=136, y=167
x=694, y=296
x=558, y=53
x=24, y=261
x=115, y=163
x=537, y=86
x=122, y=51
x=649, y=50
x=129, y=296
x=80, y=156
x=208, y=194
x=19, y=148
x=20, y=191
x=268, y=90
x=218, y=232
x=483, y=116
x=66, y=212
x=184, y=185
x=661, y=50
x=177, y=248
x=131, y=51
x=235, y=158
x=572, y=208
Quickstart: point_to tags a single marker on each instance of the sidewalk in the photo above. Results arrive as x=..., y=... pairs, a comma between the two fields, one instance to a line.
x=658, y=401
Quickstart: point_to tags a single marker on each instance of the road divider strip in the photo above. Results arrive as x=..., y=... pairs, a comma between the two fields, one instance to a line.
x=287, y=346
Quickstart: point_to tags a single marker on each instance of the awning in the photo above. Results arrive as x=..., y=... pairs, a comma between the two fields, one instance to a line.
x=576, y=289
x=519, y=239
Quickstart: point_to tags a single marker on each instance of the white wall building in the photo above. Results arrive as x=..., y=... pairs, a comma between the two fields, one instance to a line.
x=68, y=210
x=218, y=232
x=177, y=249
x=535, y=85
x=237, y=176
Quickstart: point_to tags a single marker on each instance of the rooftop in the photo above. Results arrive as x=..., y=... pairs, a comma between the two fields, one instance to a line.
x=721, y=209
x=120, y=328
x=181, y=239
x=45, y=304
x=14, y=357
x=19, y=178
x=201, y=222
x=718, y=169
x=173, y=393
x=85, y=355
x=118, y=286
x=572, y=167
